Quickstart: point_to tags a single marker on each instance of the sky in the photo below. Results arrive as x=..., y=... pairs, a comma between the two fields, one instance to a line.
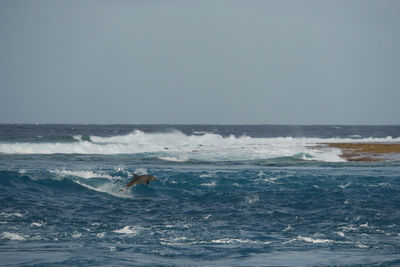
x=209, y=61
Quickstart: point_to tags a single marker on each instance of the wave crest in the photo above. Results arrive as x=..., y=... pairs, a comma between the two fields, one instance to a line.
x=176, y=146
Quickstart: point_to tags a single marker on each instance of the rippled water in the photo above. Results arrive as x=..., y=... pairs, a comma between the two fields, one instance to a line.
x=224, y=195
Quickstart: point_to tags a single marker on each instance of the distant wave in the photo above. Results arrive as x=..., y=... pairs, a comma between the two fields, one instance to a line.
x=176, y=146
x=174, y=159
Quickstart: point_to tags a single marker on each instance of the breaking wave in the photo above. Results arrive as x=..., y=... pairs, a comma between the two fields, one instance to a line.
x=175, y=146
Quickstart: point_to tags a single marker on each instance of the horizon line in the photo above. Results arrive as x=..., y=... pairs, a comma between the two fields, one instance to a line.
x=203, y=124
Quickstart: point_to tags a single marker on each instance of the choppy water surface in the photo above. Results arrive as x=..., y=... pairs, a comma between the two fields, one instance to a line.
x=225, y=195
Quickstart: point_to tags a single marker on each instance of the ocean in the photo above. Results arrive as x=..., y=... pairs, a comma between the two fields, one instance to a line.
x=242, y=195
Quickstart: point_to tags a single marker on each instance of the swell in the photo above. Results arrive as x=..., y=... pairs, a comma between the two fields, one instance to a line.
x=16, y=183
x=288, y=207
x=69, y=183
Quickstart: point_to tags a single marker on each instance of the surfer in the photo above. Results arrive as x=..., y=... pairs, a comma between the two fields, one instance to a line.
x=139, y=179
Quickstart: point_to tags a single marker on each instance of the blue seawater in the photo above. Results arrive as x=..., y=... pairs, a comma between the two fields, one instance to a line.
x=242, y=195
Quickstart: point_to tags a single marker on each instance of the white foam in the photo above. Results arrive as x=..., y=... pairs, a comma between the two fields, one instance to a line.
x=77, y=137
x=109, y=188
x=14, y=214
x=102, y=234
x=140, y=171
x=82, y=174
x=340, y=234
x=178, y=241
x=360, y=245
x=12, y=236
x=175, y=159
x=344, y=186
x=252, y=199
x=288, y=228
x=289, y=241
x=211, y=184
x=237, y=240
x=76, y=235
x=129, y=230
x=260, y=174
x=37, y=224
x=120, y=168
x=182, y=240
x=176, y=146
x=314, y=241
x=272, y=179
x=349, y=228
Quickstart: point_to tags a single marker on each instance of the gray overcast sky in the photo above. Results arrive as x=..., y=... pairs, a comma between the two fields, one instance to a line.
x=273, y=62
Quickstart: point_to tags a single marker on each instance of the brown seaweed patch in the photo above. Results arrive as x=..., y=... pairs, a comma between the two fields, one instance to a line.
x=365, y=151
x=368, y=147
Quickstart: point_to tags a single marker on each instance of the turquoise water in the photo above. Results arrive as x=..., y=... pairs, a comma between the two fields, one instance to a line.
x=224, y=195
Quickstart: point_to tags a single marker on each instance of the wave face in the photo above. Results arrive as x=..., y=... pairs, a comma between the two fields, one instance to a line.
x=224, y=195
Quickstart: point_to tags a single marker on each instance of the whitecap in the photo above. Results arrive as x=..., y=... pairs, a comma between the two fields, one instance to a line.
x=77, y=137
x=140, y=171
x=181, y=147
x=348, y=228
x=289, y=241
x=211, y=184
x=361, y=245
x=120, y=168
x=129, y=230
x=314, y=241
x=102, y=234
x=14, y=214
x=340, y=234
x=288, y=228
x=344, y=186
x=76, y=235
x=108, y=188
x=175, y=159
x=180, y=240
x=252, y=199
x=12, y=236
x=237, y=240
